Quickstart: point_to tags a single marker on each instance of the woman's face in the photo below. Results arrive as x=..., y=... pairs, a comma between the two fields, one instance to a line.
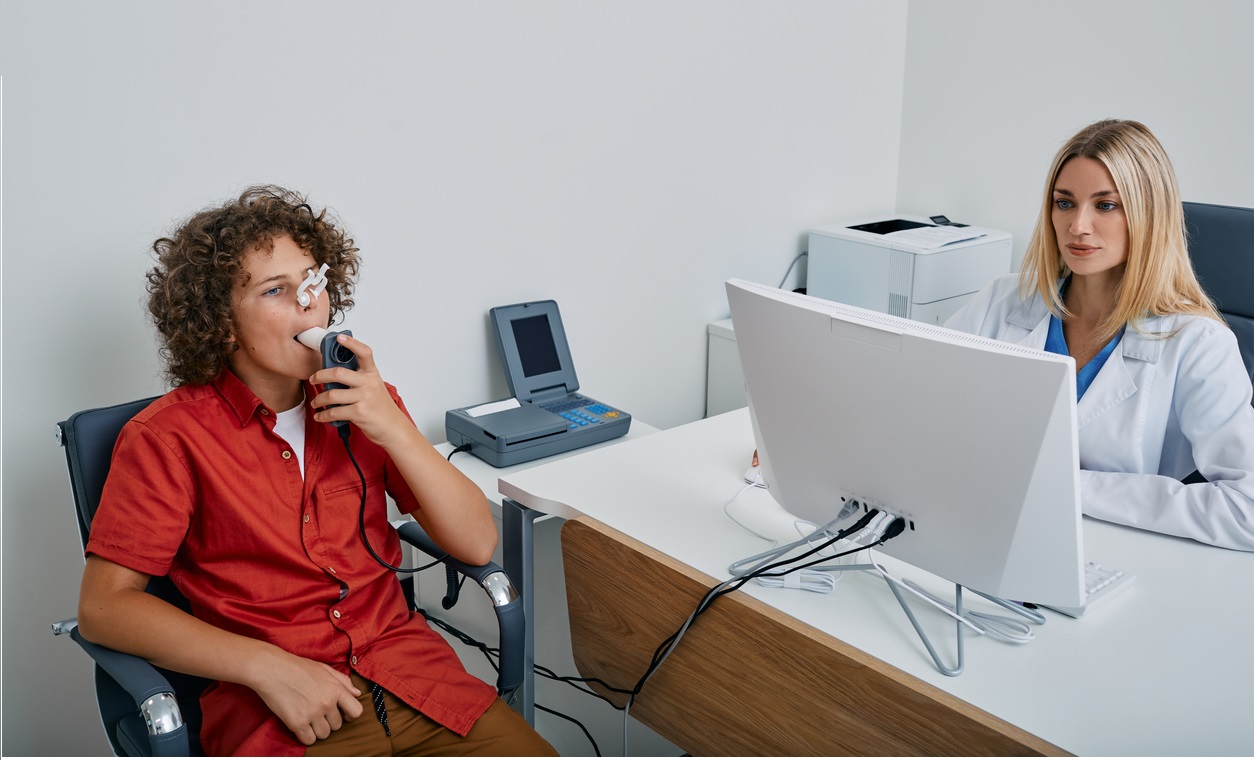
x=1089, y=220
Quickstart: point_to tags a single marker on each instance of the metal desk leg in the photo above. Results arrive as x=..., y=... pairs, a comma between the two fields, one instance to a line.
x=518, y=550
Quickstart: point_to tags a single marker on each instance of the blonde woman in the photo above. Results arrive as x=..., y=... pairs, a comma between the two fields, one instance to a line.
x=1161, y=387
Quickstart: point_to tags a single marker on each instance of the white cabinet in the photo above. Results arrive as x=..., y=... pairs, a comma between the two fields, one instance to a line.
x=724, y=382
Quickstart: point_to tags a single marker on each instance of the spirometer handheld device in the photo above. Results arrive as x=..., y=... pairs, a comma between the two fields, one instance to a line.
x=545, y=415
x=333, y=354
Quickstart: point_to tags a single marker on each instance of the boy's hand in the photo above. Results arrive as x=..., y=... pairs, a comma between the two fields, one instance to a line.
x=311, y=698
x=365, y=401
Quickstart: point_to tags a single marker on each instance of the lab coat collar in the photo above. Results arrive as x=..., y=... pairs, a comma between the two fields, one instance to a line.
x=1115, y=383
x=1145, y=339
x=1029, y=314
x=1032, y=316
x=1142, y=341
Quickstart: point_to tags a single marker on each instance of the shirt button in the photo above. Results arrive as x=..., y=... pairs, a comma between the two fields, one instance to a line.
x=335, y=614
x=306, y=518
x=331, y=570
x=265, y=412
x=354, y=659
x=287, y=455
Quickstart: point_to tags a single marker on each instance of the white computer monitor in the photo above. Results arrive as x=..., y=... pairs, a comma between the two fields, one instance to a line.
x=972, y=441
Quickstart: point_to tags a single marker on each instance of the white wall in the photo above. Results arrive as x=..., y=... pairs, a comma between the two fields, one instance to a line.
x=994, y=88
x=621, y=158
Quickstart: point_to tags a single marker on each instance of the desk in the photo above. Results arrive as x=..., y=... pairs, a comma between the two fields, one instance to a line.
x=1162, y=668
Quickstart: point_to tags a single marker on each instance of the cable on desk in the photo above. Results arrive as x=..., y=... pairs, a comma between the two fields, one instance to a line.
x=727, y=511
x=813, y=579
x=458, y=450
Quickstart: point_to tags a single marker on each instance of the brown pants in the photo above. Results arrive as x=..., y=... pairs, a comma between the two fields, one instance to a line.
x=500, y=732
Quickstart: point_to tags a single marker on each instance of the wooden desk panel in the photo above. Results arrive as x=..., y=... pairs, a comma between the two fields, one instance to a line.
x=746, y=679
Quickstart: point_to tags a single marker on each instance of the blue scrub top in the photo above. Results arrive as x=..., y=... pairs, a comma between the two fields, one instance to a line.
x=1056, y=343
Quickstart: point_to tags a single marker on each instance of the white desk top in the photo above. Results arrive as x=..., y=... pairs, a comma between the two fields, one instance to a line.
x=486, y=476
x=1160, y=669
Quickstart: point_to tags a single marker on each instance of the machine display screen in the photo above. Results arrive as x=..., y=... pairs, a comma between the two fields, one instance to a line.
x=536, y=349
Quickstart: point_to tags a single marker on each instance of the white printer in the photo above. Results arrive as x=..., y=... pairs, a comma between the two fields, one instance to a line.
x=909, y=266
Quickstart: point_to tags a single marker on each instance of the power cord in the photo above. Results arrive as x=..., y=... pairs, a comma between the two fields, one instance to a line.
x=665, y=649
x=799, y=257
x=576, y=683
x=803, y=527
x=582, y=727
x=490, y=652
x=814, y=579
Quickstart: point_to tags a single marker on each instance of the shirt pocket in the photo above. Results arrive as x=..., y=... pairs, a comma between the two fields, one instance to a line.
x=339, y=507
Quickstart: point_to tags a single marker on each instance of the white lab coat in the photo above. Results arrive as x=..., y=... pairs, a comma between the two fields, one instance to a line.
x=1156, y=411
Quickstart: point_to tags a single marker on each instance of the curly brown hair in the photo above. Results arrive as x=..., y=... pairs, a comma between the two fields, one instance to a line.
x=191, y=289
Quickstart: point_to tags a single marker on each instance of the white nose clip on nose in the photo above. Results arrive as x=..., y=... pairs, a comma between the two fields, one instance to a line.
x=315, y=283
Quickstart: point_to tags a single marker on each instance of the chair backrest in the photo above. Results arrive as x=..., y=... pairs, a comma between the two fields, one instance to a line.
x=1221, y=244
x=88, y=438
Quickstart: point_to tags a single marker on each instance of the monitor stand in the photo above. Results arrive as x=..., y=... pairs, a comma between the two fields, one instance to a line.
x=1020, y=610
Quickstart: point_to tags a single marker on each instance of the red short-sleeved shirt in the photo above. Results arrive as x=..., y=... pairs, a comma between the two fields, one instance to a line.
x=203, y=490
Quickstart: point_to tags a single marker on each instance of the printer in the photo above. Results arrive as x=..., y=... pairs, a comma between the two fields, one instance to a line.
x=921, y=268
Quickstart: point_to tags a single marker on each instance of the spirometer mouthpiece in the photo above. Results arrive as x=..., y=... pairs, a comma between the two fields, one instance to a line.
x=312, y=338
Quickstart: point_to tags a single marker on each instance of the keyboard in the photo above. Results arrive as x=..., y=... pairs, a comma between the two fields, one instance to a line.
x=1100, y=583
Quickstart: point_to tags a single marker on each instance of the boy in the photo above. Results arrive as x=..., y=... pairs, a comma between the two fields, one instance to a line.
x=233, y=486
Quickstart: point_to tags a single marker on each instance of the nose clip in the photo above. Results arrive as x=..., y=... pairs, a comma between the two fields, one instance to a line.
x=315, y=283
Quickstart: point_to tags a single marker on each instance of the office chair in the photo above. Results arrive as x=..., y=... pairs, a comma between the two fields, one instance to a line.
x=151, y=711
x=1221, y=245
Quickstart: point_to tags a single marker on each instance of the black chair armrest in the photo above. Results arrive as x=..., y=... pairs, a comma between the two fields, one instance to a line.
x=505, y=600
x=152, y=701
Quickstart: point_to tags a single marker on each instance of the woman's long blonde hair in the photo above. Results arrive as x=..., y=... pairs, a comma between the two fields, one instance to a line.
x=1159, y=277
